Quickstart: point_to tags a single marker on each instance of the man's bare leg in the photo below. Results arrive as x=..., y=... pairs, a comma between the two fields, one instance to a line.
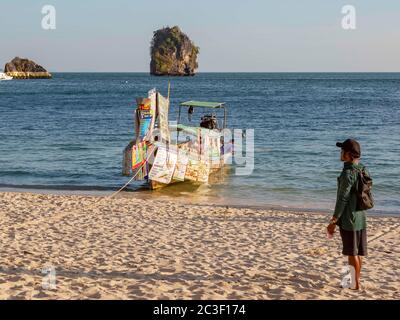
x=359, y=272
x=355, y=262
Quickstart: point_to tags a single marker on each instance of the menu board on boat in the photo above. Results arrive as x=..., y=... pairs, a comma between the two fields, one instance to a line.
x=211, y=148
x=163, y=106
x=203, y=171
x=197, y=171
x=191, y=170
x=164, y=166
x=181, y=166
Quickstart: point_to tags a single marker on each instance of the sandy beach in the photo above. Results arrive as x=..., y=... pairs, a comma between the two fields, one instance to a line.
x=120, y=248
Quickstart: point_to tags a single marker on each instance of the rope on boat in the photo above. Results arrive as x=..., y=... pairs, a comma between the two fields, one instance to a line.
x=126, y=184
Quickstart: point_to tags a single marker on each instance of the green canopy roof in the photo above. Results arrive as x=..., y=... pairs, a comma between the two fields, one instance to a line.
x=203, y=104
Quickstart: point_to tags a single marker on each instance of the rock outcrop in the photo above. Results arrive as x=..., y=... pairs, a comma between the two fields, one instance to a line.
x=20, y=68
x=173, y=53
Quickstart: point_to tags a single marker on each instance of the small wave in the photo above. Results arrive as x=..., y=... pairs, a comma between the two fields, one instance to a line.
x=75, y=148
x=14, y=173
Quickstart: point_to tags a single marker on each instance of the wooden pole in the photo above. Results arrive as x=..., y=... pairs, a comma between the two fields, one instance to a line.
x=177, y=123
x=224, y=117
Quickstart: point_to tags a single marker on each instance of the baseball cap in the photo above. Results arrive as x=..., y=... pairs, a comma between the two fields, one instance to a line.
x=351, y=146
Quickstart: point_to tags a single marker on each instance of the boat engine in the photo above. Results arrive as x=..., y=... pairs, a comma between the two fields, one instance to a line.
x=209, y=121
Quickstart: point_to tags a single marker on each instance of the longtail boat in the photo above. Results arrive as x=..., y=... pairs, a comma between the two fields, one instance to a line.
x=164, y=152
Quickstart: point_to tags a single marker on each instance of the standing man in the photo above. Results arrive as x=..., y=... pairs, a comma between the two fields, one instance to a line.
x=352, y=223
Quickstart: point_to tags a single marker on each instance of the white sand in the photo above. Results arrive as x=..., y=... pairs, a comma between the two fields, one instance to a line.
x=133, y=249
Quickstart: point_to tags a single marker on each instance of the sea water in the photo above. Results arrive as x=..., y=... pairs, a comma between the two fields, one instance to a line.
x=68, y=133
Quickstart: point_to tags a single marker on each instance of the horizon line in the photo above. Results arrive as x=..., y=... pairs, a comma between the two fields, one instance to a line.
x=227, y=72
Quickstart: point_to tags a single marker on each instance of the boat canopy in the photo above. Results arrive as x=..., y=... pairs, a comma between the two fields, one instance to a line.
x=204, y=104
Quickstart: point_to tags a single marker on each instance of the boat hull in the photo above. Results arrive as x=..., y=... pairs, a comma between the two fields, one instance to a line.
x=154, y=185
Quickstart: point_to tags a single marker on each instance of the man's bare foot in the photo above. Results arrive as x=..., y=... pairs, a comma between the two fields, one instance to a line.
x=356, y=287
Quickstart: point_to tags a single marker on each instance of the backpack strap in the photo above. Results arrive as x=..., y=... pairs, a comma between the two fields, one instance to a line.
x=358, y=173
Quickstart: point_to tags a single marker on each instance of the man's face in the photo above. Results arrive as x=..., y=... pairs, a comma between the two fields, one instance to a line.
x=344, y=156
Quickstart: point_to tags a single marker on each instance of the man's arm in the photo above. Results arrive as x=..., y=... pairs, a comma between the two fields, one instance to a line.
x=343, y=196
x=346, y=182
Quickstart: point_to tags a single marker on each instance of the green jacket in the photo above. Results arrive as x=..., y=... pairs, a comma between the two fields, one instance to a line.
x=346, y=202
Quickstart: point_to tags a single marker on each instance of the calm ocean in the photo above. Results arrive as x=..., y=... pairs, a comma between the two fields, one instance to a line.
x=68, y=133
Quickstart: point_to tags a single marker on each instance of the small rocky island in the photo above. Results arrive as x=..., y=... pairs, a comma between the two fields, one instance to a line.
x=20, y=68
x=173, y=53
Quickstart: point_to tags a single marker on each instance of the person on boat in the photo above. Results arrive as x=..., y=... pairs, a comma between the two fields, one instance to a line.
x=352, y=223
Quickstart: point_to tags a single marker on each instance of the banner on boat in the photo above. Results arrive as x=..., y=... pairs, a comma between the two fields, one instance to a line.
x=203, y=172
x=210, y=148
x=164, y=166
x=139, y=152
x=139, y=157
x=197, y=171
x=163, y=106
x=215, y=152
x=181, y=166
x=145, y=117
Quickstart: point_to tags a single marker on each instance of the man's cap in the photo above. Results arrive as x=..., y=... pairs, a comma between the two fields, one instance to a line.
x=351, y=146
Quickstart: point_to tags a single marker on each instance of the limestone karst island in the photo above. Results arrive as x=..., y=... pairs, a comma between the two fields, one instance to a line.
x=173, y=53
x=20, y=68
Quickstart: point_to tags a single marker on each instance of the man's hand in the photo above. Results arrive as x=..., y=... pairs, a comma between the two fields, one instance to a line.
x=331, y=226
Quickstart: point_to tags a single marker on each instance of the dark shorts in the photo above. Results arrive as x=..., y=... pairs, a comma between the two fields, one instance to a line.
x=354, y=242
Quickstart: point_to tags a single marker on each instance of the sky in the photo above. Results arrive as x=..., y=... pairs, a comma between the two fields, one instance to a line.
x=233, y=36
